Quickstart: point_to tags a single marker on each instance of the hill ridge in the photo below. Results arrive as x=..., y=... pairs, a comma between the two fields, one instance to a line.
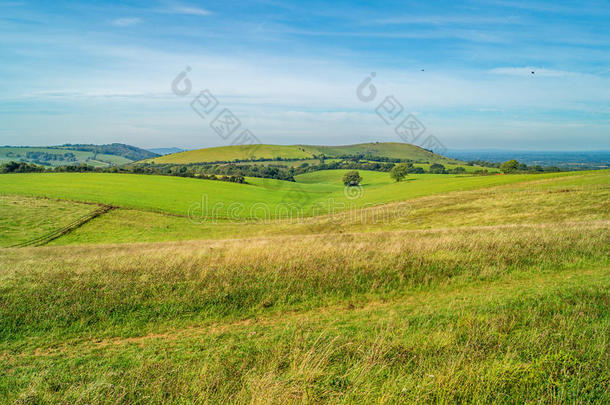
x=232, y=153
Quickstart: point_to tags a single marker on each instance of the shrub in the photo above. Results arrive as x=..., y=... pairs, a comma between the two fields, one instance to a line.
x=437, y=168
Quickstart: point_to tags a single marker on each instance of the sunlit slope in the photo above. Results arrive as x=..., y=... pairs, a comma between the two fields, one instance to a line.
x=290, y=152
x=486, y=316
x=8, y=154
x=177, y=195
x=484, y=295
x=566, y=200
x=396, y=150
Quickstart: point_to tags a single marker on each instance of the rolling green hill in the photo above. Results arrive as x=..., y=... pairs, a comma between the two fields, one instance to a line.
x=297, y=152
x=114, y=154
x=176, y=195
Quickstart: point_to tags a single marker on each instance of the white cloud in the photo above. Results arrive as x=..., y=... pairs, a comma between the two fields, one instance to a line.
x=187, y=10
x=126, y=21
x=285, y=99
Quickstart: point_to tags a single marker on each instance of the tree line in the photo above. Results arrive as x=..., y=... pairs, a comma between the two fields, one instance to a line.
x=235, y=172
x=24, y=167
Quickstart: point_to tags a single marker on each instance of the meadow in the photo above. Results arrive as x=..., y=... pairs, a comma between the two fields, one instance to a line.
x=441, y=288
x=535, y=202
x=173, y=195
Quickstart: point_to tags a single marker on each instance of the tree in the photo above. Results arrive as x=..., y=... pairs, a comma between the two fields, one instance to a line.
x=352, y=178
x=399, y=171
x=509, y=166
x=437, y=168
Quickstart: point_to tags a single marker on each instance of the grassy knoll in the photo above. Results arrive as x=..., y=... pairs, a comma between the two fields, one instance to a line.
x=23, y=219
x=385, y=149
x=288, y=152
x=176, y=195
x=238, y=152
x=515, y=313
x=557, y=200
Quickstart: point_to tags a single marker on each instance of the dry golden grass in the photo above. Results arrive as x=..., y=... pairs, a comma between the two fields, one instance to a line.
x=76, y=288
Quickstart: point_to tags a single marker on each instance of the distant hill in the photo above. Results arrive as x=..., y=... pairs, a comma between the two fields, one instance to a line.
x=115, y=154
x=165, y=151
x=118, y=149
x=301, y=152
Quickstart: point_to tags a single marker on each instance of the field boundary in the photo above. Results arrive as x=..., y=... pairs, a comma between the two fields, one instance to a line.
x=44, y=239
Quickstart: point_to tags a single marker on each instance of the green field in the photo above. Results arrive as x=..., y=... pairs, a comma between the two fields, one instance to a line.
x=313, y=192
x=440, y=288
x=291, y=152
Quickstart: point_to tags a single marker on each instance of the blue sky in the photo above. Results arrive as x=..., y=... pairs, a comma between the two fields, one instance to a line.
x=101, y=71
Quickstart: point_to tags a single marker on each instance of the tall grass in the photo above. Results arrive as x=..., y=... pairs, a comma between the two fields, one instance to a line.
x=124, y=289
x=540, y=339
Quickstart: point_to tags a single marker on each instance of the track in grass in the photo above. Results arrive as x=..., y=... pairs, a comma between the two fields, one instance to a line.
x=24, y=219
x=57, y=233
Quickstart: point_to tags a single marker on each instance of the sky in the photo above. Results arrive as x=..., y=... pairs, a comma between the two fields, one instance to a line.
x=293, y=72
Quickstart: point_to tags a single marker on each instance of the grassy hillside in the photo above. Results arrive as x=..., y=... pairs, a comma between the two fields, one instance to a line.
x=463, y=289
x=177, y=195
x=94, y=155
x=473, y=314
x=17, y=154
x=250, y=152
x=117, y=149
x=238, y=152
x=384, y=149
x=535, y=203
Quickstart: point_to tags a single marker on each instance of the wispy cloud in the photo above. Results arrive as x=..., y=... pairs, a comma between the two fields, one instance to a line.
x=185, y=9
x=126, y=21
x=447, y=20
x=424, y=33
x=551, y=7
x=290, y=70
